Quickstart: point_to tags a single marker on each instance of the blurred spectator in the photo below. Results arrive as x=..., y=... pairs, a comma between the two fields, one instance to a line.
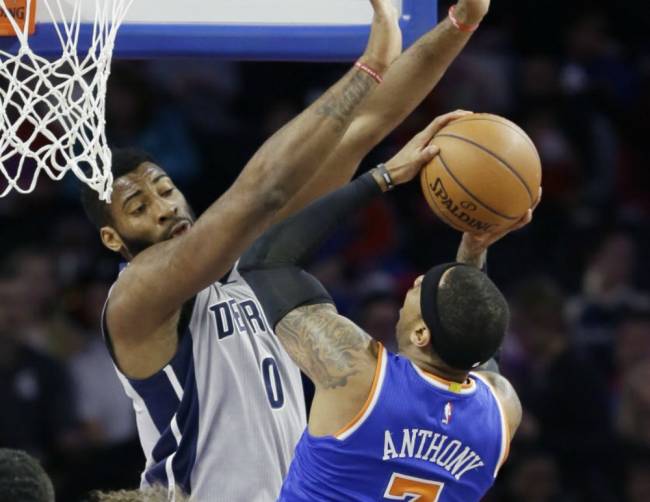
x=634, y=408
x=637, y=479
x=38, y=404
x=34, y=272
x=534, y=477
x=561, y=167
x=204, y=91
x=136, y=119
x=107, y=432
x=378, y=309
x=608, y=292
x=632, y=341
x=104, y=409
x=564, y=395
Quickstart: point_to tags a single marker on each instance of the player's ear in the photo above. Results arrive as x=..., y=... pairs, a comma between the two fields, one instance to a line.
x=111, y=239
x=420, y=336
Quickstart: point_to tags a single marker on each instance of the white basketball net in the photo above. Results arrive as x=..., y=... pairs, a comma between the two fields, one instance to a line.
x=52, y=113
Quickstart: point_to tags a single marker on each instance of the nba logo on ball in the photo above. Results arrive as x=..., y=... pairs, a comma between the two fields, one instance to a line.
x=487, y=174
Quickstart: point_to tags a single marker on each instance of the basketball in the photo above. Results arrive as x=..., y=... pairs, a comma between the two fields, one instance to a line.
x=487, y=174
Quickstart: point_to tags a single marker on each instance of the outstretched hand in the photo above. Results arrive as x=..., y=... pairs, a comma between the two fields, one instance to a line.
x=473, y=246
x=408, y=162
x=385, y=42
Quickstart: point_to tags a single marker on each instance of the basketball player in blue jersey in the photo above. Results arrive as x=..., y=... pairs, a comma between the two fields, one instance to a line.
x=424, y=424
x=218, y=402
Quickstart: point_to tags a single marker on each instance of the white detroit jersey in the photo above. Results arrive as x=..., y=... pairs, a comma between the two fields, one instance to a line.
x=222, y=419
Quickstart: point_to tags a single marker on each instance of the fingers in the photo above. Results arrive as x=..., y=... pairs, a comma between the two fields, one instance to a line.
x=539, y=199
x=424, y=156
x=439, y=122
x=521, y=223
x=488, y=239
x=528, y=217
x=445, y=119
x=429, y=153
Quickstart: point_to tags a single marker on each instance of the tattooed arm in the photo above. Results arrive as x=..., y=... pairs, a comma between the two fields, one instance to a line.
x=327, y=347
x=191, y=262
x=384, y=47
x=337, y=355
x=406, y=83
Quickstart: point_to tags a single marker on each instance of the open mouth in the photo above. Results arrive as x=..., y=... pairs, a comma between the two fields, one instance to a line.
x=179, y=228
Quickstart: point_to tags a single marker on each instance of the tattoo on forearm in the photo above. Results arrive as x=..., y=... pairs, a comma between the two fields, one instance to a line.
x=341, y=105
x=325, y=345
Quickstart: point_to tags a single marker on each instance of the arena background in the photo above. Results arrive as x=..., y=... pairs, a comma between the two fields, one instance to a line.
x=575, y=75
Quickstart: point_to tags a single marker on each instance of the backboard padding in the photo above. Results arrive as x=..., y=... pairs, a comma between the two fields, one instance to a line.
x=325, y=30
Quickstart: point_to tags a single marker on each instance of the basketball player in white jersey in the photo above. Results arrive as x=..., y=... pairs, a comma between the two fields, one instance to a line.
x=218, y=402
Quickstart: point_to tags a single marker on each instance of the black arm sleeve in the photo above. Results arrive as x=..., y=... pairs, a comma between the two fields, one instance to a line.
x=272, y=265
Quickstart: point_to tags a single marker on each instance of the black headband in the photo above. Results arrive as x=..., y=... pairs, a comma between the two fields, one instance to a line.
x=443, y=343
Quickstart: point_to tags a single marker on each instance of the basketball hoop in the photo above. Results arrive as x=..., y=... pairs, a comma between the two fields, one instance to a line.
x=52, y=112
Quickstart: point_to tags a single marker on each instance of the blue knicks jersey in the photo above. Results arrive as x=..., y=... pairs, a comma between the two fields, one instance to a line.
x=418, y=437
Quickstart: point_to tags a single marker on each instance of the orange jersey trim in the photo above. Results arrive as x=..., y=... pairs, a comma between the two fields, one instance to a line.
x=375, y=379
x=469, y=384
x=505, y=426
x=508, y=438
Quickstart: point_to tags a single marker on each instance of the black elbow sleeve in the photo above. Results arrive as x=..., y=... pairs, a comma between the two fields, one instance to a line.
x=282, y=289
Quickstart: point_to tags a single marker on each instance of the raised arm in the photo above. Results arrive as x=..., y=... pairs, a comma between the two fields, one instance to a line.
x=290, y=243
x=406, y=83
x=473, y=251
x=159, y=280
x=473, y=247
x=335, y=353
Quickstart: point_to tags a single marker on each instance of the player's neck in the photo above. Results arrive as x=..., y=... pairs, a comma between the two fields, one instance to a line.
x=433, y=365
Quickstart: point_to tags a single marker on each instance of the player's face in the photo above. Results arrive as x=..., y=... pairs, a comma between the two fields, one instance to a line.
x=147, y=208
x=409, y=314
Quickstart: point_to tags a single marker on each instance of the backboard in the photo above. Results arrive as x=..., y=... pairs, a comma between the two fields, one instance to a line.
x=317, y=30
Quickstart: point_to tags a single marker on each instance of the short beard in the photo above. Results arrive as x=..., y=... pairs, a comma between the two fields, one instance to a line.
x=134, y=247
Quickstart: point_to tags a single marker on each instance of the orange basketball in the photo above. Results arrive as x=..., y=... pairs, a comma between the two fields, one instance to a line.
x=487, y=175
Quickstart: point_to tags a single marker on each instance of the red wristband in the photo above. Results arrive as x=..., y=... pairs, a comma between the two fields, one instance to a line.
x=465, y=28
x=375, y=75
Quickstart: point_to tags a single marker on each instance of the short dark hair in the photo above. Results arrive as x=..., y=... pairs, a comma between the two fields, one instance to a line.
x=125, y=160
x=22, y=479
x=473, y=314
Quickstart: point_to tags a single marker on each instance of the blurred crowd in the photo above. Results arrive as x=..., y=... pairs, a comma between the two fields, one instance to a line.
x=575, y=76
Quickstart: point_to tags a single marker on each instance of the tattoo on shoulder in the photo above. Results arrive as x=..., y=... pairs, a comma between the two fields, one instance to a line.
x=326, y=346
x=341, y=105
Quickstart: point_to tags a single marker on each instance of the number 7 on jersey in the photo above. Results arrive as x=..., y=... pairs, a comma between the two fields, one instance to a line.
x=412, y=489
